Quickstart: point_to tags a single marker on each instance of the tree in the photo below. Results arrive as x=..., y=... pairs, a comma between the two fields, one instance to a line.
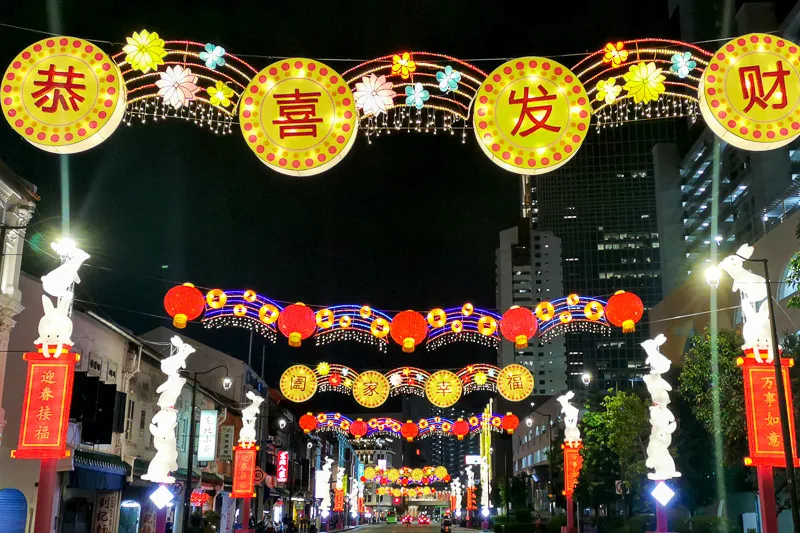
x=793, y=276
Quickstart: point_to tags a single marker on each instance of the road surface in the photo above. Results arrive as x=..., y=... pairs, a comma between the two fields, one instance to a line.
x=399, y=528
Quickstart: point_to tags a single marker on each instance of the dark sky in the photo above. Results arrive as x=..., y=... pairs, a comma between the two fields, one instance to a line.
x=405, y=222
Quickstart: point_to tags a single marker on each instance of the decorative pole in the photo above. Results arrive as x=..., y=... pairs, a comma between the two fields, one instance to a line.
x=663, y=422
x=244, y=459
x=573, y=461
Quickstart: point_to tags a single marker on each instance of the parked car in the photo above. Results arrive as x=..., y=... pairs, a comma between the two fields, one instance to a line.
x=424, y=520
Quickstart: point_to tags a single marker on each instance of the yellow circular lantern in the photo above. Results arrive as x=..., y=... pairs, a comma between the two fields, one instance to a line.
x=487, y=326
x=416, y=474
x=565, y=317
x=392, y=474
x=239, y=310
x=268, y=314
x=440, y=472
x=324, y=318
x=514, y=383
x=443, y=388
x=426, y=491
x=298, y=383
x=345, y=321
x=480, y=378
x=216, y=298
x=593, y=311
x=380, y=327
x=397, y=493
x=467, y=309
x=371, y=389
x=545, y=311
x=369, y=472
x=456, y=326
x=573, y=299
x=249, y=295
x=437, y=318
x=365, y=311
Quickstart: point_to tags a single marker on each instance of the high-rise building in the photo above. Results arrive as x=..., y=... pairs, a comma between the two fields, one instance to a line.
x=449, y=452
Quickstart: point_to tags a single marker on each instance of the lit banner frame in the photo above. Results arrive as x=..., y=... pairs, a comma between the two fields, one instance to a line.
x=207, y=440
x=573, y=462
x=244, y=471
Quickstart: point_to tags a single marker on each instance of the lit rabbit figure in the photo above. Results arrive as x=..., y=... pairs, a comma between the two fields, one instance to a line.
x=59, y=282
x=55, y=327
x=661, y=418
x=249, y=416
x=324, y=480
x=570, y=412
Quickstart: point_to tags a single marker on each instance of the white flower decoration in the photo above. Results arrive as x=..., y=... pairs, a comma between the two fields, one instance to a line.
x=177, y=86
x=396, y=380
x=374, y=95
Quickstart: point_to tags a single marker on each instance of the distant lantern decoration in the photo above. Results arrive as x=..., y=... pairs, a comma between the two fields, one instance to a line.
x=593, y=311
x=308, y=423
x=457, y=326
x=518, y=325
x=460, y=428
x=409, y=329
x=216, y=298
x=298, y=383
x=249, y=295
x=324, y=318
x=545, y=311
x=514, y=382
x=239, y=310
x=573, y=299
x=565, y=317
x=487, y=326
x=297, y=322
x=365, y=311
x=380, y=327
x=510, y=422
x=624, y=310
x=358, y=428
x=268, y=314
x=409, y=431
x=345, y=321
x=467, y=309
x=437, y=318
x=184, y=303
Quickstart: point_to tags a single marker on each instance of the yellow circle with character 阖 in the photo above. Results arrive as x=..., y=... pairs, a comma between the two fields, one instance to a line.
x=371, y=388
x=63, y=95
x=298, y=383
x=531, y=115
x=514, y=383
x=443, y=388
x=298, y=116
x=750, y=91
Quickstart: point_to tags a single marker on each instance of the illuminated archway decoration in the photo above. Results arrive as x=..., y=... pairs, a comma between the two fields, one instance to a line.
x=406, y=475
x=390, y=427
x=298, y=383
x=443, y=388
x=515, y=383
x=371, y=389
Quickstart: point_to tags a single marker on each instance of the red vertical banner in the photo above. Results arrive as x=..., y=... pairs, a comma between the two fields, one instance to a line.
x=244, y=471
x=338, y=500
x=283, y=466
x=361, y=505
x=45, y=406
x=573, y=461
x=472, y=504
x=764, y=435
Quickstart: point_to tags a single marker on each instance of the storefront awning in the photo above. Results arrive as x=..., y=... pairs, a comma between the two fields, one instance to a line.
x=98, y=471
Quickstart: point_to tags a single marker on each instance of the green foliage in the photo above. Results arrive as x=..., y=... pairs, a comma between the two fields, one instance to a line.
x=694, y=445
x=557, y=466
x=518, y=528
x=793, y=277
x=555, y=524
x=212, y=517
x=522, y=515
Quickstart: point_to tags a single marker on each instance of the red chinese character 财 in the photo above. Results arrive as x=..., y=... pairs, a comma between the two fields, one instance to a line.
x=528, y=111
x=297, y=114
x=51, y=89
x=751, y=80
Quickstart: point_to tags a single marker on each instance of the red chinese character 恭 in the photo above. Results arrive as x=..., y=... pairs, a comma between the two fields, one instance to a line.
x=297, y=114
x=50, y=85
x=528, y=111
x=751, y=80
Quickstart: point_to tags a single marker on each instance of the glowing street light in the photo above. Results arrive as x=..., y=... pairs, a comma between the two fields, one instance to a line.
x=586, y=378
x=662, y=493
x=713, y=275
x=161, y=496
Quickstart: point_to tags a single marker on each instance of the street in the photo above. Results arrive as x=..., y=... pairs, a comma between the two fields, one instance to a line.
x=400, y=528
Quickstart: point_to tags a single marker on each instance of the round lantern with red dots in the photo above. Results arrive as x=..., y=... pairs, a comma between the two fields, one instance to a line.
x=624, y=310
x=358, y=428
x=510, y=422
x=460, y=428
x=409, y=430
x=518, y=325
x=308, y=423
x=184, y=303
x=297, y=322
x=409, y=329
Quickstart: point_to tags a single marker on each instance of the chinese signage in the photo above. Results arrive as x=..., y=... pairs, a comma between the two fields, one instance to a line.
x=105, y=513
x=299, y=117
x=515, y=383
x=371, y=388
x=572, y=466
x=244, y=469
x=45, y=407
x=207, y=441
x=298, y=383
x=226, y=518
x=763, y=421
x=63, y=95
x=750, y=91
x=531, y=115
x=443, y=388
x=283, y=466
x=226, y=443
x=148, y=518
x=338, y=500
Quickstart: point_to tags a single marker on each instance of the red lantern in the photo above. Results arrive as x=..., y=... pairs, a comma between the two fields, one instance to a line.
x=510, y=422
x=358, y=428
x=624, y=310
x=425, y=480
x=308, y=423
x=404, y=481
x=518, y=325
x=363, y=479
x=460, y=428
x=447, y=478
x=297, y=322
x=409, y=329
x=184, y=303
x=409, y=431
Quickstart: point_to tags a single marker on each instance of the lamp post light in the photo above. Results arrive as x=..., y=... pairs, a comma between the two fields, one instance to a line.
x=586, y=378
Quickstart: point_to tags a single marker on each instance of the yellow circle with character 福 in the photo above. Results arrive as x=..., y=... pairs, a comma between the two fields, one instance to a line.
x=514, y=383
x=531, y=115
x=298, y=116
x=371, y=388
x=443, y=388
x=63, y=95
x=298, y=383
x=750, y=91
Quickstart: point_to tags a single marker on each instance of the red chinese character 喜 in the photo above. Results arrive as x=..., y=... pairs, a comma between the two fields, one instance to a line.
x=51, y=89
x=297, y=114
x=528, y=111
x=751, y=80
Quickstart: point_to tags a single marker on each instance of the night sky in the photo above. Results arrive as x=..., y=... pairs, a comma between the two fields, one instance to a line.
x=410, y=221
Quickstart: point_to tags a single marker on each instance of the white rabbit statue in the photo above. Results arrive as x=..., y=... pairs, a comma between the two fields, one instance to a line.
x=59, y=281
x=249, y=416
x=661, y=418
x=55, y=327
x=570, y=412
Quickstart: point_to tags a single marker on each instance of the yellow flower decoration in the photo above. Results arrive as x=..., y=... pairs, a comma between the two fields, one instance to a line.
x=348, y=383
x=644, y=82
x=403, y=65
x=607, y=90
x=322, y=368
x=615, y=54
x=480, y=378
x=221, y=95
x=145, y=51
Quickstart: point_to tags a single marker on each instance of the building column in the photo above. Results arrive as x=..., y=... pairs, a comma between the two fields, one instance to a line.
x=6, y=325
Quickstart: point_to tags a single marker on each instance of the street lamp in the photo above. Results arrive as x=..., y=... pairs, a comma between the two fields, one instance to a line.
x=586, y=378
x=713, y=276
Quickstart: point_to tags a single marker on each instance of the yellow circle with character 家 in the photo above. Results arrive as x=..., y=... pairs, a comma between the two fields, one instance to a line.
x=298, y=116
x=443, y=388
x=298, y=383
x=63, y=95
x=371, y=389
x=531, y=115
x=750, y=91
x=515, y=383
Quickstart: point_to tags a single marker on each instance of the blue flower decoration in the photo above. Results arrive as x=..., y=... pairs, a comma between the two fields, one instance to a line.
x=213, y=56
x=683, y=64
x=448, y=80
x=416, y=95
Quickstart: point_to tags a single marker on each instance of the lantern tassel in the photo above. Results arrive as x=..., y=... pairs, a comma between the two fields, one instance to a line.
x=408, y=345
x=628, y=326
x=521, y=341
x=179, y=321
x=295, y=339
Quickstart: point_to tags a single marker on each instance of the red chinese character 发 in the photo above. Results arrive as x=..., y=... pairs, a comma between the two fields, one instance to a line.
x=751, y=80
x=50, y=85
x=297, y=114
x=528, y=111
